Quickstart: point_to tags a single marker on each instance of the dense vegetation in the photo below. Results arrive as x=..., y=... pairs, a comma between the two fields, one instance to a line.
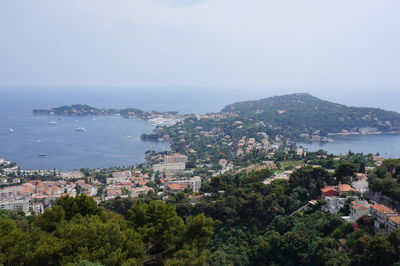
x=303, y=113
x=241, y=222
x=83, y=109
x=75, y=230
x=386, y=179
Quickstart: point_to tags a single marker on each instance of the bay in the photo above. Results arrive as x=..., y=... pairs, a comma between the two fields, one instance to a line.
x=105, y=142
x=387, y=145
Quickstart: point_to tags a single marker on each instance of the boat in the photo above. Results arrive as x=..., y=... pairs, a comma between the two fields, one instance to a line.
x=11, y=130
x=53, y=123
x=81, y=129
x=43, y=154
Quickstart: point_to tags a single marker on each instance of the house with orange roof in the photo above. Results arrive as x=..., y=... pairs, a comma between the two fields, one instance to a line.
x=89, y=190
x=113, y=192
x=345, y=188
x=329, y=191
x=393, y=223
x=174, y=188
x=335, y=191
x=140, y=190
x=358, y=209
x=142, y=183
x=28, y=188
x=381, y=215
x=125, y=183
x=333, y=198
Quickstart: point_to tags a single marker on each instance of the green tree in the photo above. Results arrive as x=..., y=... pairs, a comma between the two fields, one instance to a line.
x=50, y=219
x=345, y=172
x=82, y=204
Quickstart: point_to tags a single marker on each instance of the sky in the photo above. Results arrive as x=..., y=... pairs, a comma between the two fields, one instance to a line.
x=344, y=51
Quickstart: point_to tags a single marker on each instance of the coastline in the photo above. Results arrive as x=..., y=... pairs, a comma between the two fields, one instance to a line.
x=363, y=133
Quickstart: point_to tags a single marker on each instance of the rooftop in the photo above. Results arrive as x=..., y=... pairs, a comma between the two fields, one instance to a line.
x=345, y=188
x=395, y=219
x=177, y=186
x=382, y=209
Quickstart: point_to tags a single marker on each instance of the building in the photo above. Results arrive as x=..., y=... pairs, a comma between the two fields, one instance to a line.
x=122, y=174
x=135, y=192
x=335, y=191
x=175, y=188
x=16, y=205
x=180, y=184
x=358, y=209
x=38, y=207
x=393, y=223
x=381, y=214
x=113, y=192
x=334, y=204
x=175, y=158
x=169, y=167
x=342, y=188
x=329, y=191
x=69, y=175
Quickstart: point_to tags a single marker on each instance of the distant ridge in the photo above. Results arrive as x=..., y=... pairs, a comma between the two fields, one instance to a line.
x=302, y=113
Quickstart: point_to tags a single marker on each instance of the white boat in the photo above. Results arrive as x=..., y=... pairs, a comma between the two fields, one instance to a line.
x=53, y=123
x=11, y=130
x=81, y=129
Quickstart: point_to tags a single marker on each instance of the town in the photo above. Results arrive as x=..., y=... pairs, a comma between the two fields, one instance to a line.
x=32, y=191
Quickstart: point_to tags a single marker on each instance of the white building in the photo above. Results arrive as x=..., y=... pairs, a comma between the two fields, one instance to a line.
x=334, y=204
x=358, y=209
x=169, y=167
x=175, y=158
x=381, y=213
x=16, y=205
x=193, y=183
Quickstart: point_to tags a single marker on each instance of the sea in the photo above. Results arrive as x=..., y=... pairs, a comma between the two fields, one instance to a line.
x=386, y=145
x=108, y=141
x=115, y=141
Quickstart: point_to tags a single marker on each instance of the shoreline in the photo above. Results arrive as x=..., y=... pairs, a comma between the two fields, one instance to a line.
x=363, y=133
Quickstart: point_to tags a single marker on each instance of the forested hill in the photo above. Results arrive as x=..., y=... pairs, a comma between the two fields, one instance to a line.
x=304, y=113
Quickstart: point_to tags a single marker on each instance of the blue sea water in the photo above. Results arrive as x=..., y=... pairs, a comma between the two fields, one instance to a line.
x=104, y=144
x=387, y=145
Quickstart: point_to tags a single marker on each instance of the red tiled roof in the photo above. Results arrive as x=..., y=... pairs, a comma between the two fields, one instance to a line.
x=360, y=207
x=177, y=186
x=395, y=219
x=345, y=188
x=382, y=209
x=328, y=188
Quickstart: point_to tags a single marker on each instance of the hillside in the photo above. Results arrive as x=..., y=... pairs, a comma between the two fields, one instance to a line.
x=303, y=113
x=83, y=109
x=79, y=109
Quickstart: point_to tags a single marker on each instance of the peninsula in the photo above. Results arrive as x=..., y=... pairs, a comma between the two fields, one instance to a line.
x=154, y=117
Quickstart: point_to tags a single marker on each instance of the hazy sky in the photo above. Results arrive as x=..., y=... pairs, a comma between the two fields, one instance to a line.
x=253, y=46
